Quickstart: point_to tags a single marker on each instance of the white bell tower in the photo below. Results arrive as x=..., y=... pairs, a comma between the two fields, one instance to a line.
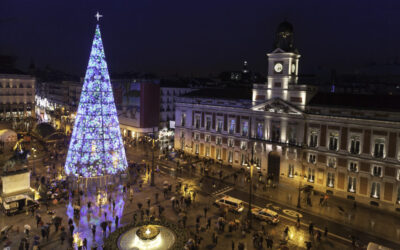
x=283, y=68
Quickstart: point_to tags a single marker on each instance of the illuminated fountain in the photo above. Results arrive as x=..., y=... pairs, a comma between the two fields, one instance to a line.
x=149, y=237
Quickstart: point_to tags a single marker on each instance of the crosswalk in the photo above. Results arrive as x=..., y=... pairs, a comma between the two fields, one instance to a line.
x=221, y=191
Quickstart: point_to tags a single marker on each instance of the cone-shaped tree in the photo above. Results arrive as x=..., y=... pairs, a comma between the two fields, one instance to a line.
x=96, y=146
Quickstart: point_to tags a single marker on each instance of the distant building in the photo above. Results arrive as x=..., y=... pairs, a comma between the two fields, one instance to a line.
x=343, y=144
x=17, y=95
x=138, y=105
x=169, y=91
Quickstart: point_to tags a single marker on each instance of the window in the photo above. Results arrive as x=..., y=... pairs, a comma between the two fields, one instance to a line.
x=355, y=144
x=230, y=156
x=375, y=190
x=196, y=136
x=291, y=171
x=351, y=187
x=398, y=195
x=379, y=148
x=197, y=122
x=331, y=162
x=219, y=125
x=218, y=141
x=330, y=182
x=312, y=158
x=376, y=171
x=207, y=151
x=218, y=152
x=208, y=123
x=260, y=128
x=197, y=148
x=208, y=138
x=353, y=166
x=398, y=175
x=183, y=120
x=243, y=145
x=311, y=175
x=313, y=139
x=231, y=142
x=245, y=128
x=333, y=140
x=232, y=126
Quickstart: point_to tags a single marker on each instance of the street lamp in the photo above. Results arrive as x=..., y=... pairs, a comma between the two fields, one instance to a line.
x=249, y=214
x=152, y=163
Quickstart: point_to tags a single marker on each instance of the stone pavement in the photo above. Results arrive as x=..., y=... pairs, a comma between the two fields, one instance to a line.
x=367, y=219
x=125, y=210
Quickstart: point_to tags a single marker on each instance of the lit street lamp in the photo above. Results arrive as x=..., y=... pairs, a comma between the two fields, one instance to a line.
x=249, y=213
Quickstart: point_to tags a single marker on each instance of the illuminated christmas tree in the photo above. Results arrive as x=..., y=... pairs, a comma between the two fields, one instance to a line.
x=96, y=147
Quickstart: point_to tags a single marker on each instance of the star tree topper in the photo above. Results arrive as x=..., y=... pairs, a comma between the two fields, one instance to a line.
x=98, y=16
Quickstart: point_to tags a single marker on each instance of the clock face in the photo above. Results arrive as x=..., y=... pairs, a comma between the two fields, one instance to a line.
x=293, y=68
x=278, y=67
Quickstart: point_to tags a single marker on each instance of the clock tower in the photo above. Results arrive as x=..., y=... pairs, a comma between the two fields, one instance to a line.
x=283, y=64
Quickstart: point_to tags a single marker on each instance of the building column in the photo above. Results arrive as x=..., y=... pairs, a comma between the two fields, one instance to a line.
x=283, y=129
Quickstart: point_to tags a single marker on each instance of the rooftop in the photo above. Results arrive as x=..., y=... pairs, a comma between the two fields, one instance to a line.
x=369, y=102
x=227, y=93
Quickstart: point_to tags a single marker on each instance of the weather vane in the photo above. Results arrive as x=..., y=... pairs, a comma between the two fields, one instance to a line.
x=98, y=16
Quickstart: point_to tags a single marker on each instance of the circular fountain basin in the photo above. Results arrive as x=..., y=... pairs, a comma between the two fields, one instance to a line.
x=148, y=237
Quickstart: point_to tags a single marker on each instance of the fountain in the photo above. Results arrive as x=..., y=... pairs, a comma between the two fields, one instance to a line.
x=149, y=237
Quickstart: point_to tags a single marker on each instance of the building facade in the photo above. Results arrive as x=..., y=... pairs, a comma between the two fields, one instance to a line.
x=168, y=95
x=344, y=144
x=17, y=96
x=138, y=105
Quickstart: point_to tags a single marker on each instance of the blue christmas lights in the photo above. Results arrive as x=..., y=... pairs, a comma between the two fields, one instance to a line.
x=96, y=147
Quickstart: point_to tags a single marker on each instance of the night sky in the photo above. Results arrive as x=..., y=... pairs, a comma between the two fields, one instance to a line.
x=198, y=37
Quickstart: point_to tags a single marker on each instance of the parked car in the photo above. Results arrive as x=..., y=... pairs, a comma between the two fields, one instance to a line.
x=265, y=214
x=17, y=204
x=234, y=205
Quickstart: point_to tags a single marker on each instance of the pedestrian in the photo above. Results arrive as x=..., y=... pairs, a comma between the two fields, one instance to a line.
x=286, y=233
x=326, y=231
x=63, y=235
x=308, y=245
x=233, y=245
x=38, y=219
x=148, y=203
x=116, y=221
x=321, y=200
x=318, y=236
x=113, y=204
x=94, y=231
x=311, y=229
x=85, y=243
x=208, y=223
x=134, y=218
x=298, y=221
x=109, y=226
x=194, y=196
x=105, y=215
x=205, y=212
x=71, y=229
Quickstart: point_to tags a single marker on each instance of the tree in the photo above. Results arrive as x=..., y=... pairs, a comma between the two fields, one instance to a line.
x=96, y=146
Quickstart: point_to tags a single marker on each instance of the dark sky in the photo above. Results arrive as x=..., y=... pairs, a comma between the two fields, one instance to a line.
x=199, y=37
